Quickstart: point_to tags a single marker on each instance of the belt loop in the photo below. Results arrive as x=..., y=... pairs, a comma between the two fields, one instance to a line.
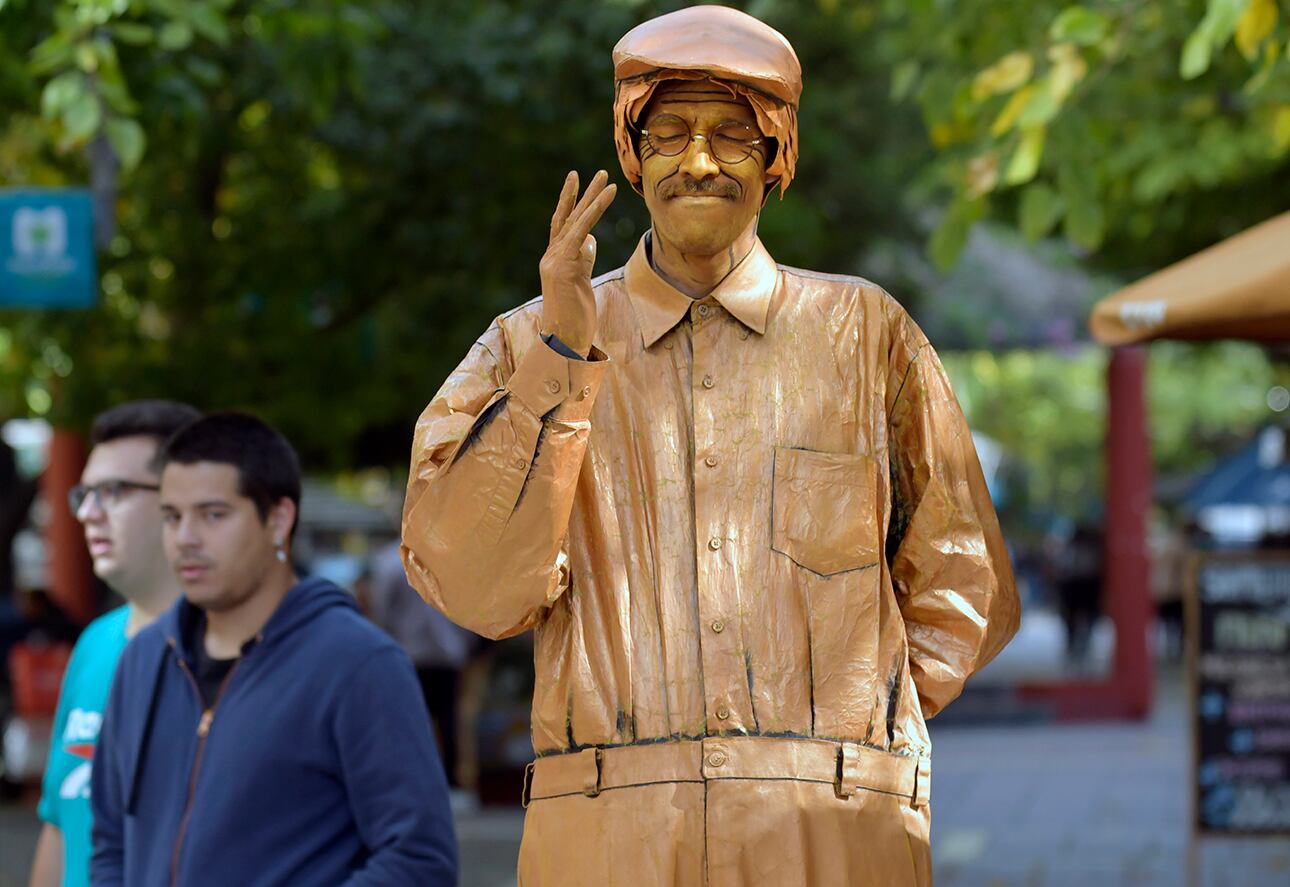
x=848, y=761
x=922, y=782
x=591, y=788
x=526, y=791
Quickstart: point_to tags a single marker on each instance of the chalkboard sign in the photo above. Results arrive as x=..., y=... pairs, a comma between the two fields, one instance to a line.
x=1240, y=667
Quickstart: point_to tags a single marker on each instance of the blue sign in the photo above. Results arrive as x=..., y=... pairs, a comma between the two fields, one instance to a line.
x=46, y=249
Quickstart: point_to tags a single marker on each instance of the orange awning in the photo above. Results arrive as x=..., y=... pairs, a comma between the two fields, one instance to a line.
x=1236, y=289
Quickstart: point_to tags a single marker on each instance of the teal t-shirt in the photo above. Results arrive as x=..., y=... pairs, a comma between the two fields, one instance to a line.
x=65, y=792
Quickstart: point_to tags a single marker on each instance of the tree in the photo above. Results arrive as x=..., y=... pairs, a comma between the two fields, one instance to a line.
x=1142, y=130
x=332, y=199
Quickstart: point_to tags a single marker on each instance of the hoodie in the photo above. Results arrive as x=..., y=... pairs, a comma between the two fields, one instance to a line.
x=316, y=764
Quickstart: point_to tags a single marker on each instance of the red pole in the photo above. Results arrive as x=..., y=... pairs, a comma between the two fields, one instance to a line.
x=69, y=562
x=1126, y=589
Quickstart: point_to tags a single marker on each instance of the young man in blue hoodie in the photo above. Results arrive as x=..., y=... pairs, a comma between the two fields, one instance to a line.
x=261, y=732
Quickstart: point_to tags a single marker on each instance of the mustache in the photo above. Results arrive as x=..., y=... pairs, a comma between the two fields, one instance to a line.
x=704, y=188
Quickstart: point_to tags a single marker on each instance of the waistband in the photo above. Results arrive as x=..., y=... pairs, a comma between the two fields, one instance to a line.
x=845, y=765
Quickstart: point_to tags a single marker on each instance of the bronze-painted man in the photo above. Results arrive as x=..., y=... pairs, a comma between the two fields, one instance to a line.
x=737, y=502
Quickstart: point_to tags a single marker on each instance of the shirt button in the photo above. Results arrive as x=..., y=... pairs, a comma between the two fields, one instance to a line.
x=711, y=461
x=723, y=712
x=718, y=626
x=521, y=464
x=585, y=393
x=667, y=345
x=707, y=382
x=714, y=544
x=716, y=759
x=703, y=310
x=553, y=386
x=744, y=333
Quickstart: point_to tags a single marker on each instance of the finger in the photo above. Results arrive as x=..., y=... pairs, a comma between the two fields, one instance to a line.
x=588, y=251
x=580, y=225
x=568, y=194
x=594, y=188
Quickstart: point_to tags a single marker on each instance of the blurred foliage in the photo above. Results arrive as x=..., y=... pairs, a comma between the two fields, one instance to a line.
x=332, y=199
x=1048, y=411
x=1141, y=130
x=320, y=203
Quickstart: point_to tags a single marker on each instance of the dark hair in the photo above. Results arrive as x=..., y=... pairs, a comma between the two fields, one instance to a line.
x=142, y=418
x=267, y=466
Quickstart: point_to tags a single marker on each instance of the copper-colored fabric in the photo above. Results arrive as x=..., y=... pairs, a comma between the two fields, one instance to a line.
x=758, y=513
x=752, y=59
x=833, y=814
x=846, y=766
x=1237, y=289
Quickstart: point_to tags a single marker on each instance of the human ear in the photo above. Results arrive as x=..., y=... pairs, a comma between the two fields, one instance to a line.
x=282, y=517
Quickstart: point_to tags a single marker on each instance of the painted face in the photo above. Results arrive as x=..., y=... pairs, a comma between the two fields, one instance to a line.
x=218, y=545
x=701, y=199
x=119, y=514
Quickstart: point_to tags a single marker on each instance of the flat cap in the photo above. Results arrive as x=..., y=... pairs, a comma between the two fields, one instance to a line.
x=709, y=42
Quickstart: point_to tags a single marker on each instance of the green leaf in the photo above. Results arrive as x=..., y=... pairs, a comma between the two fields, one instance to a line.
x=951, y=234
x=1086, y=225
x=127, y=139
x=903, y=79
x=1012, y=110
x=133, y=33
x=1213, y=32
x=1041, y=208
x=51, y=54
x=1025, y=161
x=210, y=24
x=81, y=118
x=1079, y=24
x=175, y=36
x=60, y=92
x=1005, y=75
x=1041, y=108
x=86, y=58
x=1195, y=55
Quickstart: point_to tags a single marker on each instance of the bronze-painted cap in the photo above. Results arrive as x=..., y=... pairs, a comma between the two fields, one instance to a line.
x=709, y=42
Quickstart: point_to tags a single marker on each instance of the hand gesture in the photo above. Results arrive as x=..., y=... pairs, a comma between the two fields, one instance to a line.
x=568, y=303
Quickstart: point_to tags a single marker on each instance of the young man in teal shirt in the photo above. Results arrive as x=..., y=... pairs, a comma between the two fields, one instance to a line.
x=116, y=503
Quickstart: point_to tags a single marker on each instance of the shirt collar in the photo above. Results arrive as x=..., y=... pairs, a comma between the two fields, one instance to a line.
x=746, y=292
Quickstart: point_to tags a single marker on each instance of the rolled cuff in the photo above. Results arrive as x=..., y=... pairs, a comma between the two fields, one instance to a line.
x=546, y=380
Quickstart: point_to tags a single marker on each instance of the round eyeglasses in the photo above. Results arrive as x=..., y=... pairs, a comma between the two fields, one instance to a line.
x=107, y=493
x=728, y=143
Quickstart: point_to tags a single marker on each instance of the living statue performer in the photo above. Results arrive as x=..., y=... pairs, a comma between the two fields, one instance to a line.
x=737, y=502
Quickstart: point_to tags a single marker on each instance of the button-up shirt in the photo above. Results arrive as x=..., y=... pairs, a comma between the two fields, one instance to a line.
x=758, y=512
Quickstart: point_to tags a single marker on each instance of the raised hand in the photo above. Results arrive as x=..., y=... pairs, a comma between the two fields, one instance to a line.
x=568, y=303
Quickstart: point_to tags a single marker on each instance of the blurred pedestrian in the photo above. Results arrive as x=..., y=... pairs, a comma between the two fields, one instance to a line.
x=116, y=502
x=1079, y=588
x=439, y=650
x=261, y=732
x=16, y=495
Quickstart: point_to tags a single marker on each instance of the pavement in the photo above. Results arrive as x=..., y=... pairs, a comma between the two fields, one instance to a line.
x=1015, y=805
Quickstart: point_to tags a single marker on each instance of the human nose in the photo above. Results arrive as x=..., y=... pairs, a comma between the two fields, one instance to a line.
x=91, y=508
x=698, y=162
x=184, y=535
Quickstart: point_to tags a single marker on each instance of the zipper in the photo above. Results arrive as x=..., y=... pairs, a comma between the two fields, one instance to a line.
x=203, y=730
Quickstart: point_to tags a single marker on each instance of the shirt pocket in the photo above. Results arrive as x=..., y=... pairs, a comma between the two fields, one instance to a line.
x=822, y=509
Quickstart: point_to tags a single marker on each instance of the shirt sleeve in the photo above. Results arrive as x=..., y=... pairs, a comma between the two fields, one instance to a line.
x=47, y=809
x=399, y=801
x=495, y=464
x=949, y=562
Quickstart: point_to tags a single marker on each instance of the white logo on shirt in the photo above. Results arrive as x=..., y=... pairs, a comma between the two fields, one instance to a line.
x=82, y=726
x=77, y=783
